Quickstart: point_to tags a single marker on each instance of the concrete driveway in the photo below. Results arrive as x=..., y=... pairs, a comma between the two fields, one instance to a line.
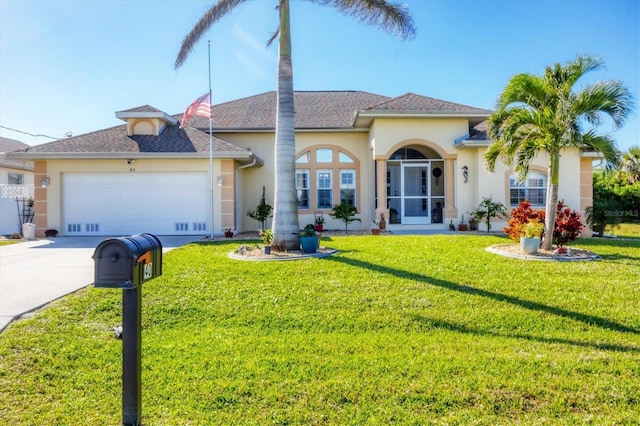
x=34, y=273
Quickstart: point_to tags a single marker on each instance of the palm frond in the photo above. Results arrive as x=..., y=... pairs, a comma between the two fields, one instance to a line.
x=491, y=156
x=211, y=16
x=523, y=89
x=604, y=145
x=394, y=18
x=604, y=97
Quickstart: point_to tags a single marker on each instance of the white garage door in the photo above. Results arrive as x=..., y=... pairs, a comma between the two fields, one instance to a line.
x=130, y=203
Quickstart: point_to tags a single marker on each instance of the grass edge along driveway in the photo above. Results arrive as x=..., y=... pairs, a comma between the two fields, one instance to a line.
x=394, y=329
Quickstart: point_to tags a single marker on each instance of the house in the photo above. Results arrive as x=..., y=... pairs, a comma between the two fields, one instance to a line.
x=415, y=159
x=16, y=187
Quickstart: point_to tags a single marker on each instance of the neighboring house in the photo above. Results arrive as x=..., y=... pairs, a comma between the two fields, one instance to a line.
x=417, y=160
x=16, y=187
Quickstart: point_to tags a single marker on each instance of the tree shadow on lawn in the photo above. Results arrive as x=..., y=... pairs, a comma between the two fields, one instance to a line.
x=458, y=328
x=589, y=320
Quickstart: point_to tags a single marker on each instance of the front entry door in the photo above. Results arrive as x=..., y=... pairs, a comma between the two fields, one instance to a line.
x=415, y=193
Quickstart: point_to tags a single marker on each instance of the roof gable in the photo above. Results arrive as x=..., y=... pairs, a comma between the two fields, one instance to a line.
x=413, y=102
x=115, y=141
x=314, y=110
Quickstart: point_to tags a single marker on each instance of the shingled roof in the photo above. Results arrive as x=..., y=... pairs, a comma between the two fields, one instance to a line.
x=324, y=110
x=115, y=141
x=411, y=102
x=314, y=110
x=11, y=145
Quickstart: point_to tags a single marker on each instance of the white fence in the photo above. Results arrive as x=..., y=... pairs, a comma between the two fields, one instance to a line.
x=12, y=198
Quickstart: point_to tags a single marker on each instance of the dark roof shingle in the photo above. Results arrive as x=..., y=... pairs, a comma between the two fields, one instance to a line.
x=115, y=140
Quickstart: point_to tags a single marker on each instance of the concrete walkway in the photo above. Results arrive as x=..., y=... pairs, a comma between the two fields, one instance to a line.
x=34, y=273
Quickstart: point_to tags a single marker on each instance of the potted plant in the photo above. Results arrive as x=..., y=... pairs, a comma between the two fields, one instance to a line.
x=376, y=229
x=267, y=238
x=309, y=239
x=462, y=226
x=319, y=223
x=228, y=233
x=51, y=233
x=473, y=225
x=530, y=239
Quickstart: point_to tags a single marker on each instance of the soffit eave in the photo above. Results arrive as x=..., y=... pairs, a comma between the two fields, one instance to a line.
x=468, y=143
x=220, y=130
x=246, y=156
x=124, y=116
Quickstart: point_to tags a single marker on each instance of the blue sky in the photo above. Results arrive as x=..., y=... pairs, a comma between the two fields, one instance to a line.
x=68, y=66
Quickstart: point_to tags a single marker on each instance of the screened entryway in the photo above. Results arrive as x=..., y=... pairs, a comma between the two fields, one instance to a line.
x=415, y=186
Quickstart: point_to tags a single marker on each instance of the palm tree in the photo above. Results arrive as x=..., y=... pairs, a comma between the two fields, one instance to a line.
x=544, y=114
x=630, y=165
x=391, y=17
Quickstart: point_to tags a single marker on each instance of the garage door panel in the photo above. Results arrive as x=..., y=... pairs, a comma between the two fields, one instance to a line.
x=128, y=203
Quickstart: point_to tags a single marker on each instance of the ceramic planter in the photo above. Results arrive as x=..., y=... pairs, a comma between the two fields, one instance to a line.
x=309, y=244
x=529, y=245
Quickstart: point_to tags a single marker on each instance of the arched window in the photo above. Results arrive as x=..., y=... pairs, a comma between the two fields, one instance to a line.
x=533, y=189
x=326, y=176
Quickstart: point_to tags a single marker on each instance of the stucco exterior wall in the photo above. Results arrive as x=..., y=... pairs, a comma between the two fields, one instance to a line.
x=252, y=179
x=388, y=135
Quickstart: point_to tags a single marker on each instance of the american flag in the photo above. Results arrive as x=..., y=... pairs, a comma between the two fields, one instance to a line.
x=201, y=107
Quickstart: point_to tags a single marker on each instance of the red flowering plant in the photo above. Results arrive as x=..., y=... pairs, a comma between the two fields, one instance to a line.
x=568, y=225
x=520, y=217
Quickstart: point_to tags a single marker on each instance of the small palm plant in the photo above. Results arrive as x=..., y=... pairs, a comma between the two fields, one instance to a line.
x=345, y=212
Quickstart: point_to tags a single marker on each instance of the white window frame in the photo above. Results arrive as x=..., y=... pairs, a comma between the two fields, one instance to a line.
x=348, y=186
x=300, y=187
x=321, y=185
x=527, y=188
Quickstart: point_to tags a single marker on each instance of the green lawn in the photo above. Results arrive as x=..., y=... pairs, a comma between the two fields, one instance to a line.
x=625, y=230
x=403, y=330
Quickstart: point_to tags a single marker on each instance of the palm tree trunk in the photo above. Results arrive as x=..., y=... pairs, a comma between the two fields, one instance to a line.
x=285, y=213
x=552, y=200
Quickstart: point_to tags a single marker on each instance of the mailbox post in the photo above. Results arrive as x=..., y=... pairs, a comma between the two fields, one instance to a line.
x=125, y=263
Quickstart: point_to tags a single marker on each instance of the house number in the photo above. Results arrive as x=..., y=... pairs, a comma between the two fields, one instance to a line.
x=147, y=271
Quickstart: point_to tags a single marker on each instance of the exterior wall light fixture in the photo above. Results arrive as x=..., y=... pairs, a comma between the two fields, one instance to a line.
x=45, y=181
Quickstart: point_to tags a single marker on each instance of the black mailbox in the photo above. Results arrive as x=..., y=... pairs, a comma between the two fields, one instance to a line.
x=127, y=262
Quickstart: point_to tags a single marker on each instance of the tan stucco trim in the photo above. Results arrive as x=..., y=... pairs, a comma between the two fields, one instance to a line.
x=422, y=142
x=40, y=198
x=335, y=166
x=227, y=194
x=586, y=191
x=450, y=209
x=381, y=189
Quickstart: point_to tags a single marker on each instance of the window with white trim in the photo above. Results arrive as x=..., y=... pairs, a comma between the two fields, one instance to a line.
x=533, y=189
x=16, y=179
x=326, y=176
x=348, y=187
x=325, y=189
x=302, y=188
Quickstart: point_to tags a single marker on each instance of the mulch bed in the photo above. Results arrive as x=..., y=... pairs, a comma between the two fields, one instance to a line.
x=513, y=250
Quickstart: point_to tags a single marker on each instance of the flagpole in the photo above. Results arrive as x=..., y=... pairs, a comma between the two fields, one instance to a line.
x=210, y=144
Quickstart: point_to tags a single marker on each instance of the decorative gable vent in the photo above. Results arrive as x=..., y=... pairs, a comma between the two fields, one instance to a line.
x=145, y=120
